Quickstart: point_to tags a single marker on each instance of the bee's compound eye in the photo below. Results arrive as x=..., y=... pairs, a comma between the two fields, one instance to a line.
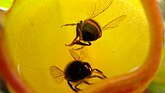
x=88, y=36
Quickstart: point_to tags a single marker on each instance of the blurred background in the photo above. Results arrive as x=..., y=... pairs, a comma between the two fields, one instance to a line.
x=158, y=84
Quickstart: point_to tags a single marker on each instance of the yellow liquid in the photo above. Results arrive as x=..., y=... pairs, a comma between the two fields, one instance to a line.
x=36, y=40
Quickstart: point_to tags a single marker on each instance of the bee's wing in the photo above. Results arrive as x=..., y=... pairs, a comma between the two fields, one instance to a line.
x=99, y=6
x=57, y=74
x=80, y=54
x=74, y=54
x=114, y=23
x=84, y=54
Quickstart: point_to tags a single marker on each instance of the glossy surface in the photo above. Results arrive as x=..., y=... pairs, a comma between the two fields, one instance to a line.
x=33, y=41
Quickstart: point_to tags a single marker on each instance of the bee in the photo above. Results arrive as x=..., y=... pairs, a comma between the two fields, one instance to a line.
x=76, y=72
x=89, y=30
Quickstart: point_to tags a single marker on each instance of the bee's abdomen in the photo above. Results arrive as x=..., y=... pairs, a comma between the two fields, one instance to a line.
x=76, y=71
x=88, y=36
x=90, y=30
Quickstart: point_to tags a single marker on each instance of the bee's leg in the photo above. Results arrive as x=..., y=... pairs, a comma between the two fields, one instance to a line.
x=89, y=43
x=73, y=42
x=99, y=72
x=96, y=76
x=83, y=43
x=76, y=86
x=77, y=35
x=75, y=39
x=72, y=24
x=70, y=85
x=86, y=82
